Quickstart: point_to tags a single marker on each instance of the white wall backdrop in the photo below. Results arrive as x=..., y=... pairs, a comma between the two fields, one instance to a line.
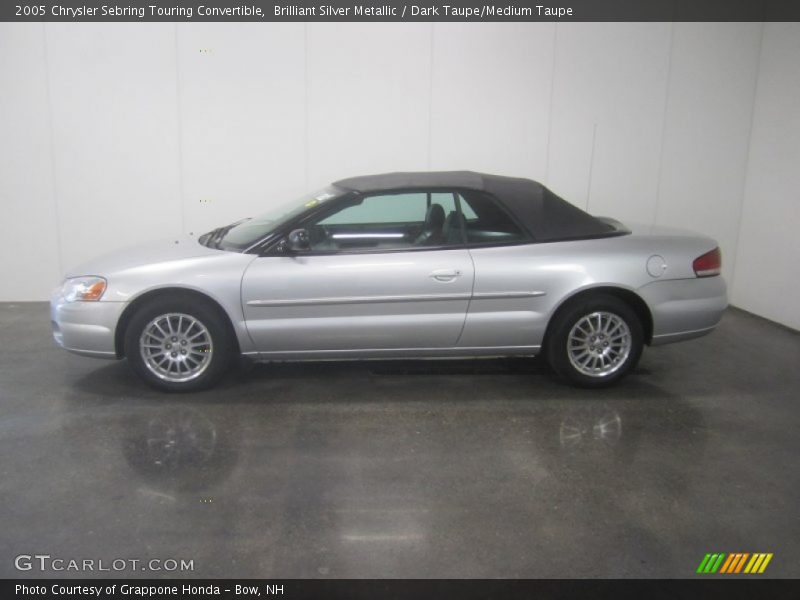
x=117, y=133
x=610, y=86
x=766, y=279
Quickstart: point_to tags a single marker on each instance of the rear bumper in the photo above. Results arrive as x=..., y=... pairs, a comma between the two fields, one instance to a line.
x=85, y=328
x=684, y=308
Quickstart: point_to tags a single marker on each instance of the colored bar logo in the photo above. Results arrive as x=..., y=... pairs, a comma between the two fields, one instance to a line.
x=735, y=562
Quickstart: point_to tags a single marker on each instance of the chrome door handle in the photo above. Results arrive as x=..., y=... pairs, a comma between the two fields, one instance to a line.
x=445, y=274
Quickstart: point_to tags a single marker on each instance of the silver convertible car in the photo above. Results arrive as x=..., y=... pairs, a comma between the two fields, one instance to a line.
x=397, y=265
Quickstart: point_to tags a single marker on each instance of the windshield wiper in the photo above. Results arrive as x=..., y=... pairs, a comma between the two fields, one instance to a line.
x=217, y=235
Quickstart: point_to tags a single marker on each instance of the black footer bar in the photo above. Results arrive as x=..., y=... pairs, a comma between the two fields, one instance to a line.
x=395, y=589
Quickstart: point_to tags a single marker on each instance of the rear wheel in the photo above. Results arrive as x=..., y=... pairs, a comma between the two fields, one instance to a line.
x=595, y=341
x=178, y=345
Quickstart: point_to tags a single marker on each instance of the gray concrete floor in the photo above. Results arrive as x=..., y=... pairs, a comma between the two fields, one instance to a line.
x=405, y=469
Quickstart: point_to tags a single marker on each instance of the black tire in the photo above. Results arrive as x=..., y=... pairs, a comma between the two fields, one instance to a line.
x=222, y=346
x=620, y=363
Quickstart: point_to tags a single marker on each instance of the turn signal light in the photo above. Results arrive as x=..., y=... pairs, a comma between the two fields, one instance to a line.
x=83, y=289
x=94, y=290
x=708, y=264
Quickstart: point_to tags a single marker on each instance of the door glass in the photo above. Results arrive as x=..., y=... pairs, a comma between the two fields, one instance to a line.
x=448, y=201
x=487, y=223
x=388, y=222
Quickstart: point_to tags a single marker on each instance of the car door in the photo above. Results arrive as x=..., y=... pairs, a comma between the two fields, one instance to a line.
x=386, y=273
x=510, y=298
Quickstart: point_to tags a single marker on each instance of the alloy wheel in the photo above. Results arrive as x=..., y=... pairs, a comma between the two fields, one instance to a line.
x=176, y=347
x=599, y=344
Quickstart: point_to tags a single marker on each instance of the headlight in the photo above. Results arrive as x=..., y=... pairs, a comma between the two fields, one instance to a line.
x=83, y=289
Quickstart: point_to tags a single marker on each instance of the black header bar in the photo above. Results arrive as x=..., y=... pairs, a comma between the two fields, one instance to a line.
x=399, y=10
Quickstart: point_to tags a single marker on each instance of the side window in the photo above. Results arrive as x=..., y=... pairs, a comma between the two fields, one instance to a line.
x=487, y=223
x=388, y=221
x=392, y=208
x=448, y=202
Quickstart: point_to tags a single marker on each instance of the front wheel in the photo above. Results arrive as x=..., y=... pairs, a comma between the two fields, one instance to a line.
x=595, y=341
x=178, y=346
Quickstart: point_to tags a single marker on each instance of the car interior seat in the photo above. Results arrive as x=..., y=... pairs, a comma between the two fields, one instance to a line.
x=432, y=229
x=454, y=224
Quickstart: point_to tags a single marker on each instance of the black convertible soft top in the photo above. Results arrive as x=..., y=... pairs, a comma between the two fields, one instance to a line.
x=545, y=215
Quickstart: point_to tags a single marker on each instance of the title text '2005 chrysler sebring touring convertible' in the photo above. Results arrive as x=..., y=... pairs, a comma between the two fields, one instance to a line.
x=397, y=265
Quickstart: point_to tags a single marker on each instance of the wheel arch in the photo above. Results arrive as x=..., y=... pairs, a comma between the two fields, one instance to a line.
x=629, y=297
x=175, y=293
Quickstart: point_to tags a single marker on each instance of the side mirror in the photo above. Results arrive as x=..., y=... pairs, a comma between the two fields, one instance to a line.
x=298, y=241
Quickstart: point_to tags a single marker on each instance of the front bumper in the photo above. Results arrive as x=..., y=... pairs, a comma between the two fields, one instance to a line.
x=685, y=308
x=85, y=328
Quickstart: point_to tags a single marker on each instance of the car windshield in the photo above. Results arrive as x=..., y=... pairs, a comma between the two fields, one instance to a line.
x=239, y=236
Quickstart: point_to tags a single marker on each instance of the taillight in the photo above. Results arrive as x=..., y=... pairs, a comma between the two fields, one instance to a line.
x=709, y=264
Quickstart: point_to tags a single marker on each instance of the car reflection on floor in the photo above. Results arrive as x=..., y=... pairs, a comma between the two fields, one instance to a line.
x=345, y=469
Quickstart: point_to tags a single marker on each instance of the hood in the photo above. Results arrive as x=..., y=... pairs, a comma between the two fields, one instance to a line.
x=166, y=250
